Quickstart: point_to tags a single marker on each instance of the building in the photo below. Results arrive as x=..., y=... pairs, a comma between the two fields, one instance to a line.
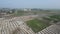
x=27, y=9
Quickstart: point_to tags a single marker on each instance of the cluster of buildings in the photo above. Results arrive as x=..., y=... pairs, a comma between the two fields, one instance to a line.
x=5, y=11
x=31, y=9
x=25, y=9
x=8, y=11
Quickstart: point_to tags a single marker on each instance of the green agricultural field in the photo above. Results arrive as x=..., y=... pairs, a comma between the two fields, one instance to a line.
x=37, y=25
x=55, y=16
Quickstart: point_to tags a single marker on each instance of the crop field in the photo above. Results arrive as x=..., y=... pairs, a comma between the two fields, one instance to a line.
x=55, y=16
x=37, y=25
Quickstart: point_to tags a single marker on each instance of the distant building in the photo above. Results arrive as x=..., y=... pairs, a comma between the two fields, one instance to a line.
x=27, y=9
x=11, y=11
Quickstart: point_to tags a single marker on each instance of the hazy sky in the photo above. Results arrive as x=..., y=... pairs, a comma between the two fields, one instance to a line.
x=30, y=4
